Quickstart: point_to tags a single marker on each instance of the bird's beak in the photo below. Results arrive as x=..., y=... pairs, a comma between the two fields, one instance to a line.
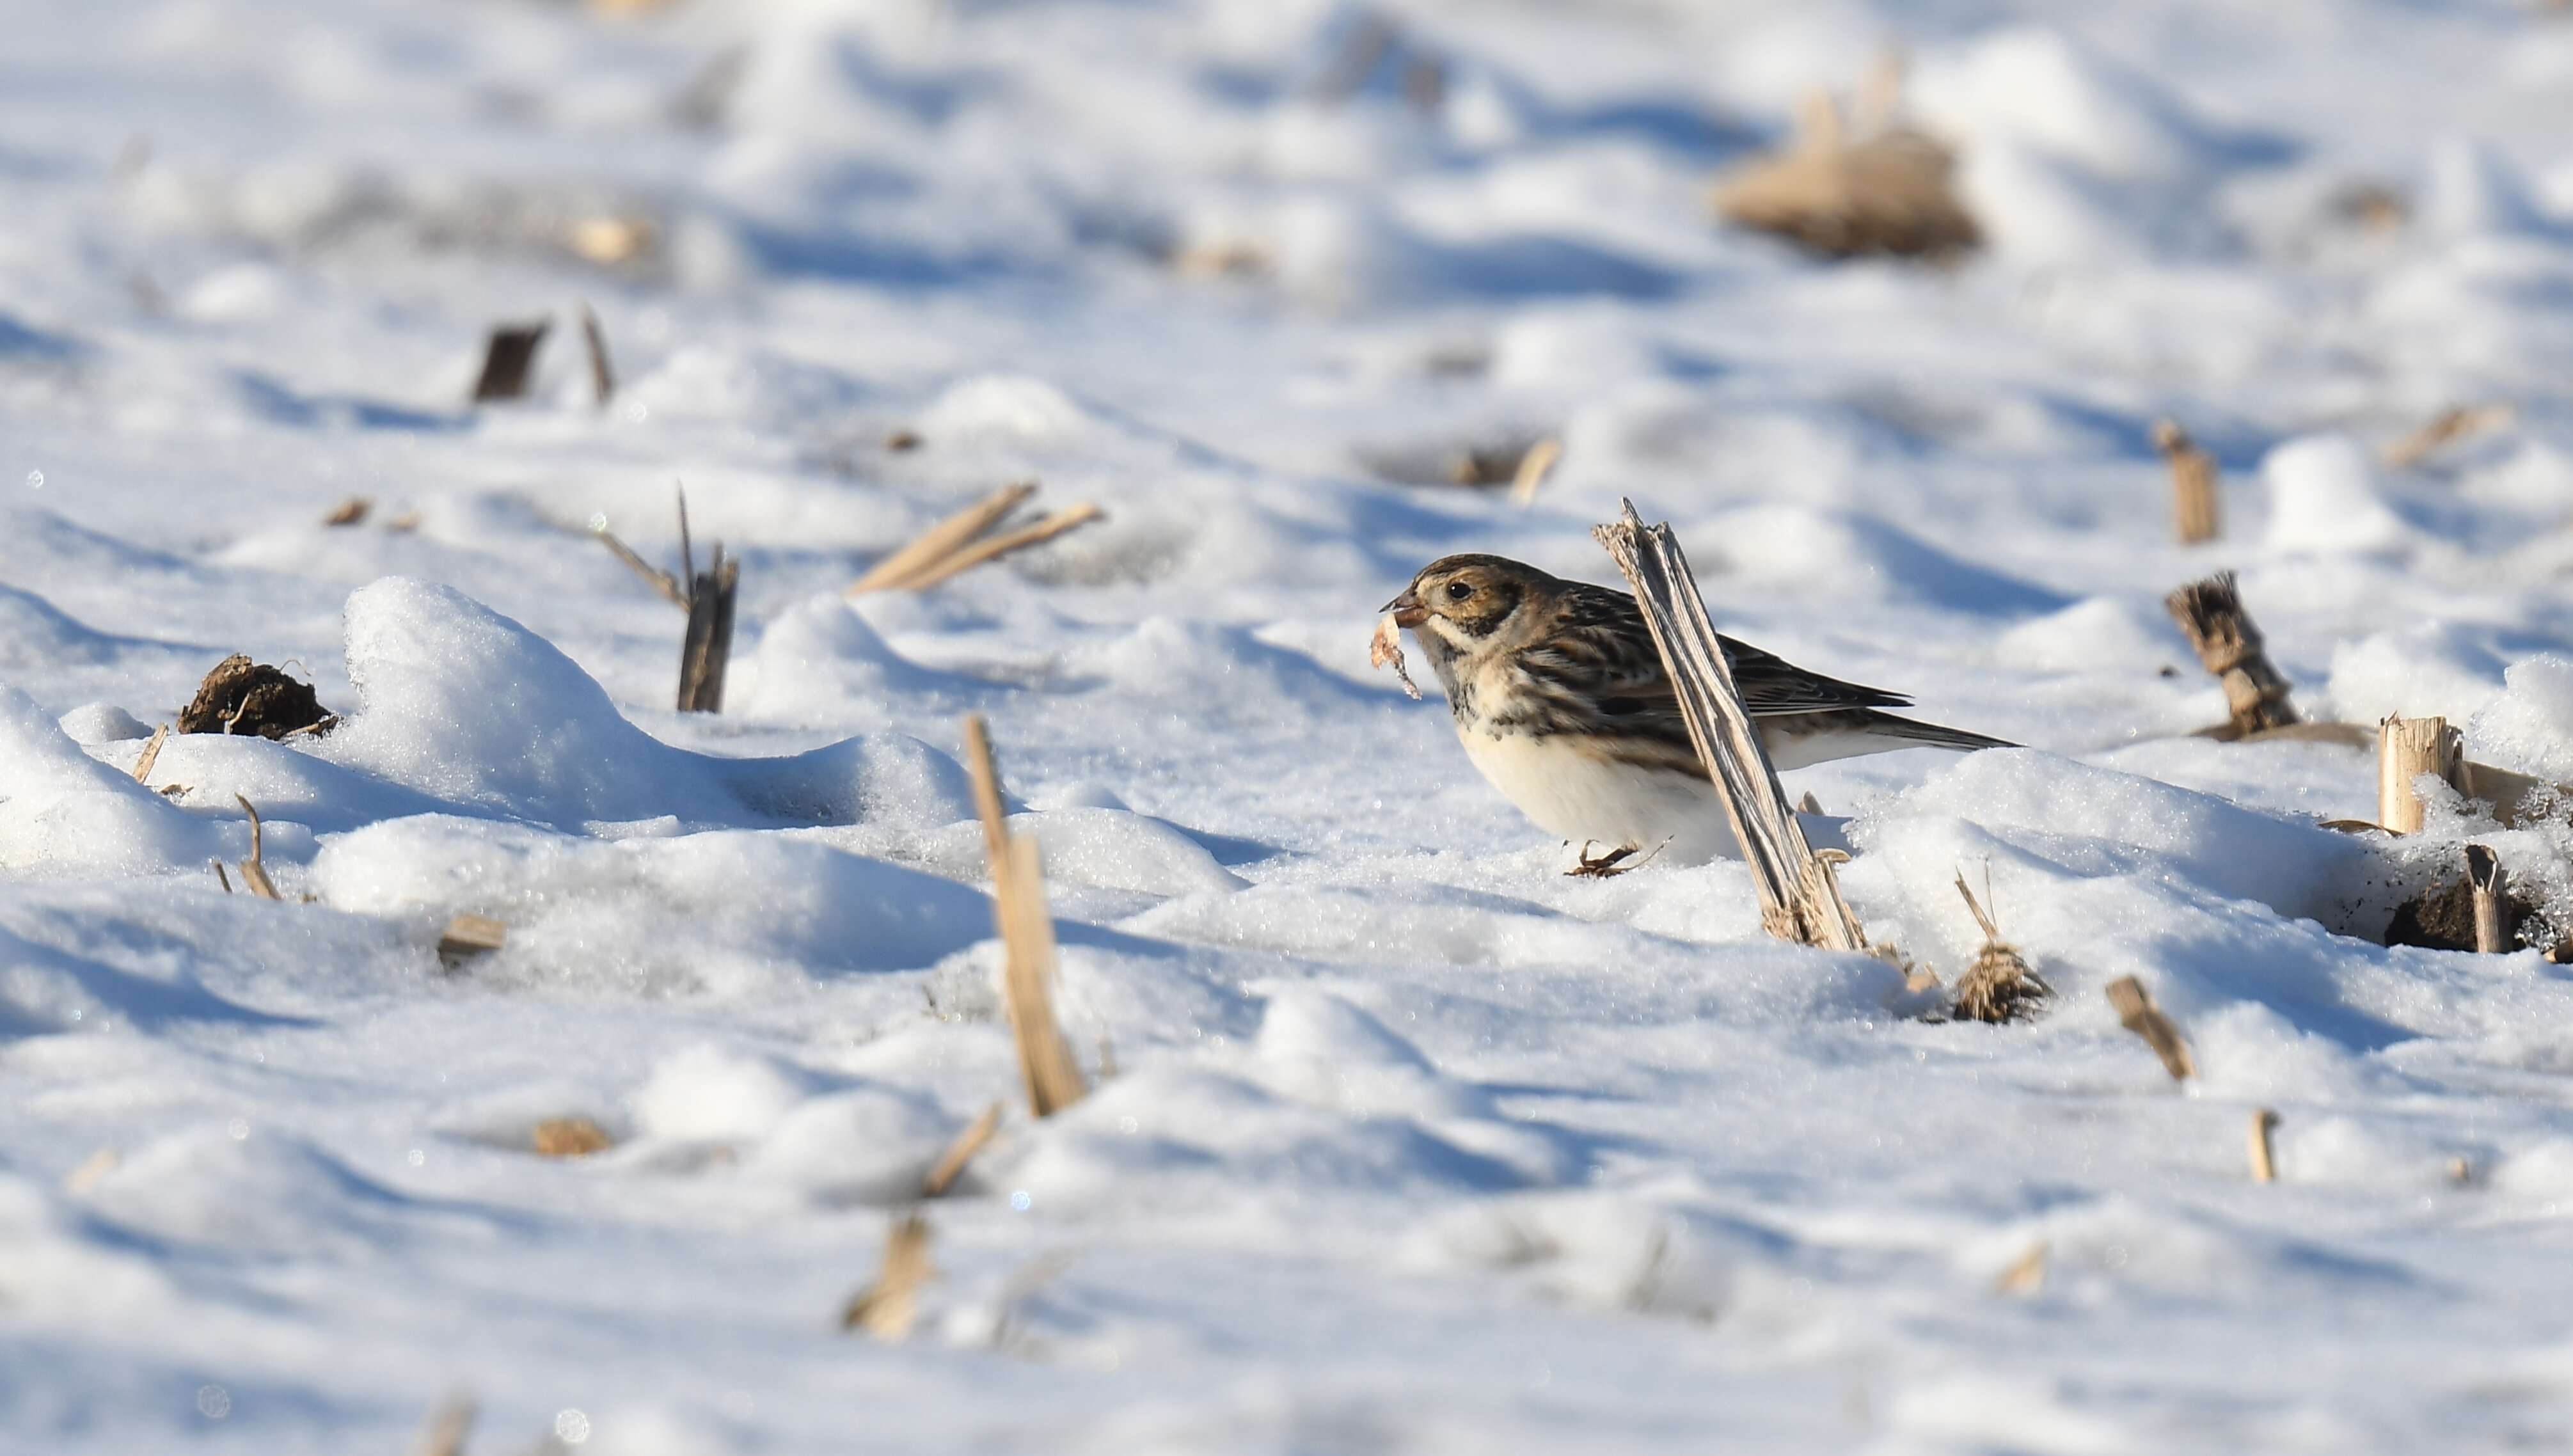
x=1407, y=611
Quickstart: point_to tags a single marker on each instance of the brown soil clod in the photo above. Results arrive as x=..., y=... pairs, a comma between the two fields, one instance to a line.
x=245, y=697
x=2443, y=918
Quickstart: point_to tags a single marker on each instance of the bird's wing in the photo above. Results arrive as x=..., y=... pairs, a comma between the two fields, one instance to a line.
x=1771, y=685
x=1600, y=649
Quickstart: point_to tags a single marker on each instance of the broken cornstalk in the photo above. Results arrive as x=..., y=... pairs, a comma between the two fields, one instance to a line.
x=2137, y=1011
x=2406, y=749
x=1800, y=898
x=602, y=375
x=509, y=359
x=1054, y=1080
x=2194, y=509
x=706, y=651
x=2264, y=1166
x=2493, y=911
x=2255, y=694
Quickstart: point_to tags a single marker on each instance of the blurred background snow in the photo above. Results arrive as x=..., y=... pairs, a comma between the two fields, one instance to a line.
x=1412, y=1144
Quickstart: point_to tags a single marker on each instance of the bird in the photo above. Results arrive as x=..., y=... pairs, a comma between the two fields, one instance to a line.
x=1561, y=701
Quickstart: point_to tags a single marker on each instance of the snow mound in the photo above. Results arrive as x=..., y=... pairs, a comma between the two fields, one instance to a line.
x=1113, y=848
x=1010, y=407
x=2097, y=634
x=2434, y=669
x=63, y=809
x=93, y=724
x=471, y=709
x=866, y=1146
x=716, y=1094
x=2036, y=87
x=726, y=911
x=254, y=1191
x=2529, y=726
x=2325, y=496
x=2096, y=821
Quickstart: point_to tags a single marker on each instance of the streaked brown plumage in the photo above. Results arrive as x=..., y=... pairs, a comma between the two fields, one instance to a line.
x=1561, y=699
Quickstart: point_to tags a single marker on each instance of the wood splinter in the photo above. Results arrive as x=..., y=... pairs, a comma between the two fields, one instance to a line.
x=2137, y=1011
x=2255, y=693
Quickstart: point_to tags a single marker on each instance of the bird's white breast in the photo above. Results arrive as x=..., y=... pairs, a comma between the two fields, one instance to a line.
x=1579, y=796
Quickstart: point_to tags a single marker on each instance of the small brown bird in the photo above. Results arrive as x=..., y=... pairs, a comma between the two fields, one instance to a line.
x=1560, y=700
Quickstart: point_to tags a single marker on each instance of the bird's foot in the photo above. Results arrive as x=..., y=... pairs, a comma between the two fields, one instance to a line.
x=1600, y=867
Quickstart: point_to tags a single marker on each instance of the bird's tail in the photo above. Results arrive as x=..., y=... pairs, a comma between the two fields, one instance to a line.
x=1913, y=730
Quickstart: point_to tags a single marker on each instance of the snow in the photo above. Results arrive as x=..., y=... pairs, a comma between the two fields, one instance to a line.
x=1401, y=1139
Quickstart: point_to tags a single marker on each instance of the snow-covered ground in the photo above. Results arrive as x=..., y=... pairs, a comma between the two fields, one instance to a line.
x=1412, y=1143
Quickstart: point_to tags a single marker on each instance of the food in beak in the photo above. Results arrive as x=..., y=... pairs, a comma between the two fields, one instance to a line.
x=1407, y=611
x=1386, y=646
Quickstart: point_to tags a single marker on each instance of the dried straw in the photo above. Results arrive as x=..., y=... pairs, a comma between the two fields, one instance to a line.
x=951, y=1164
x=2450, y=426
x=255, y=869
x=1885, y=192
x=1052, y=1078
x=941, y=540
x=151, y=754
x=442, y=1434
x=2027, y=1277
x=890, y=1307
x=994, y=548
x=1999, y=986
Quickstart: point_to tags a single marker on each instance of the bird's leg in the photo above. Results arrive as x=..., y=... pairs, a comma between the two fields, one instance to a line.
x=1600, y=867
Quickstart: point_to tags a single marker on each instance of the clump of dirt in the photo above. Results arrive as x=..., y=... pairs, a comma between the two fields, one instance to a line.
x=2443, y=918
x=244, y=697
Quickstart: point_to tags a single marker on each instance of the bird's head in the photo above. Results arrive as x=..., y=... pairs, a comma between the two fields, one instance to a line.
x=1466, y=606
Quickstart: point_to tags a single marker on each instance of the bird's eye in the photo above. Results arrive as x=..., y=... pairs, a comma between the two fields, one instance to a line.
x=1458, y=591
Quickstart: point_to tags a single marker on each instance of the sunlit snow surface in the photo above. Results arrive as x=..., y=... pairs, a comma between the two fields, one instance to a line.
x=1412, y=1144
